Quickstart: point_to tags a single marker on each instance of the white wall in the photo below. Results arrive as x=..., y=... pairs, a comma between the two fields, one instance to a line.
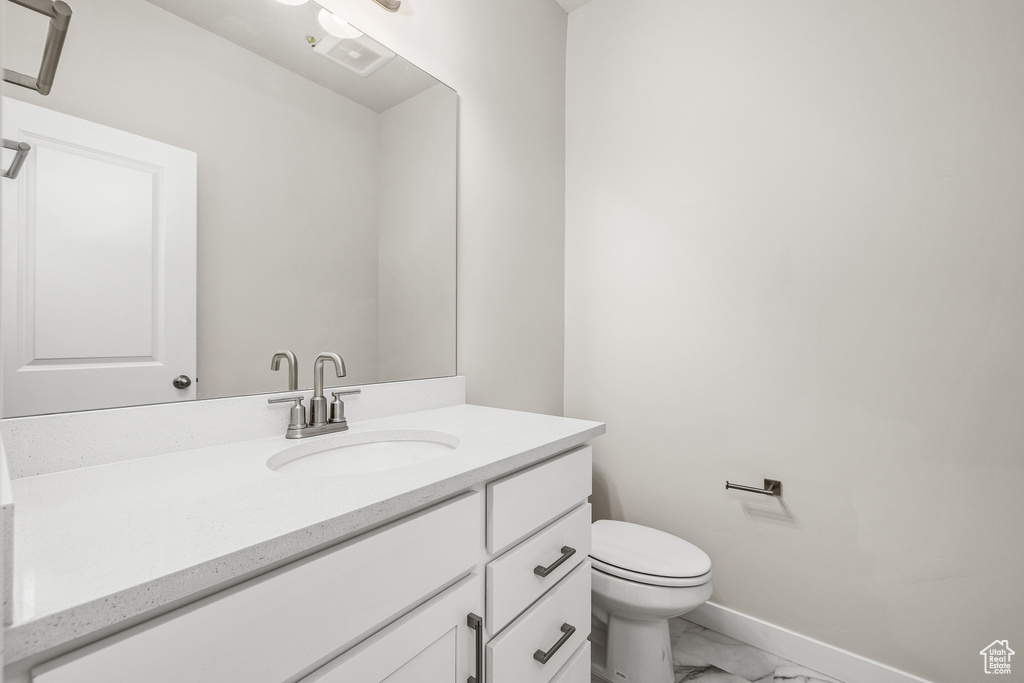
x=416, y=253
x=794, y=250
x=506, y=59
x=287, y=182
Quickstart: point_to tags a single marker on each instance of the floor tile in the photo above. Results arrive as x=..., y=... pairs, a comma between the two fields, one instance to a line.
x=793, y=673
x=700, y=652
x=702, y=648
x=705, y=656
x=705, y=674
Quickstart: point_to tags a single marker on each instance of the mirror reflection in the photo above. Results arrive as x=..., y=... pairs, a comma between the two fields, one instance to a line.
x=212, y=182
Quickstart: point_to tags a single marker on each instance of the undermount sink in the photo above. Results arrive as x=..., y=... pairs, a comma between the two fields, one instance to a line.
x=364, y=453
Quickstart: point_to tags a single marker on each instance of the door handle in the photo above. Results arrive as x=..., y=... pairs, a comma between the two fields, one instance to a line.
x=182, y=382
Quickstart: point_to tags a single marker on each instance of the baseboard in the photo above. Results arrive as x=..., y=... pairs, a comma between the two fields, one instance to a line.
x=814, y=654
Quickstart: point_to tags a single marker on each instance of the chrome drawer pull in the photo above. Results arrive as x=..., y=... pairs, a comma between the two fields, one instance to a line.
x=543, y=657
x=567, y=552
x=477, y=624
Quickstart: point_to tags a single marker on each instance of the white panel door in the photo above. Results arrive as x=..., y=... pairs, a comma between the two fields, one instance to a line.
x=98, y=260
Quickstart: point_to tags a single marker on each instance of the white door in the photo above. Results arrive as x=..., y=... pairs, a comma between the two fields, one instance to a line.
x=97, y=267
x=432, y=644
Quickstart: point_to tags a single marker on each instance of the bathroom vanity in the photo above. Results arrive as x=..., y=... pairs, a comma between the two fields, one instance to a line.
x=208, y=565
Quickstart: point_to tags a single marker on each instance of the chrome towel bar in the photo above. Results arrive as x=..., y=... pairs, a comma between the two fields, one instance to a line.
x=772, y=487
x=21, y=150
x=60, y=16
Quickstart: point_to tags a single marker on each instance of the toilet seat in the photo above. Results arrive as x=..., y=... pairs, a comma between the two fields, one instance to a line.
x=644, y=555
x=650, y=579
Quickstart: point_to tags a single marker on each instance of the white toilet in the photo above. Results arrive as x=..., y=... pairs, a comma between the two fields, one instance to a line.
x=642, y=577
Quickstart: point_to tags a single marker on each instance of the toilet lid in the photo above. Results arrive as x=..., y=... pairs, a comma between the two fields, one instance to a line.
x=644, y=550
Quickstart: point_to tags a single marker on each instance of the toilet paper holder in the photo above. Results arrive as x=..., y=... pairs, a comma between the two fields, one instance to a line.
x=772, y=487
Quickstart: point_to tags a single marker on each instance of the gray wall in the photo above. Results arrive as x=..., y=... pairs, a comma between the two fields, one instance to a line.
x=794, y=250
x=416, y=263
x=506, y=59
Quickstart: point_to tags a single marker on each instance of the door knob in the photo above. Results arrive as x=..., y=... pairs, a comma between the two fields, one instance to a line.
x=182, y=382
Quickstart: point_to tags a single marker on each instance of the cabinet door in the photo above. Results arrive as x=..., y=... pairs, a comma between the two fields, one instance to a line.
x=432, y=644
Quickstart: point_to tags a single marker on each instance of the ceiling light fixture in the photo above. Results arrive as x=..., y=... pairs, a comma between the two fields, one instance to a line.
x=337, y=26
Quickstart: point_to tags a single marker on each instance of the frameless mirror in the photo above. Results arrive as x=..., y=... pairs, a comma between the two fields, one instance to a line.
x=211, y=182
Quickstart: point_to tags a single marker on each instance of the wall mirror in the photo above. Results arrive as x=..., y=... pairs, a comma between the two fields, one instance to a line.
x=318, y=173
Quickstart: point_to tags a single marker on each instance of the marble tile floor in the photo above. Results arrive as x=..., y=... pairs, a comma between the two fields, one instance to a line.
x=705, y=656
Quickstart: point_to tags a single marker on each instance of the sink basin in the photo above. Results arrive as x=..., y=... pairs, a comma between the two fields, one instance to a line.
x=365, y=453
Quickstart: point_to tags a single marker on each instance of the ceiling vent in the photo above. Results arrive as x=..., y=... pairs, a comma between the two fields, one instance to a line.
x=362, y=55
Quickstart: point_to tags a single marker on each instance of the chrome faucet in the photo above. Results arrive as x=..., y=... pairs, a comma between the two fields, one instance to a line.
x=320, y=422
x=318, y=404
x=293, y=368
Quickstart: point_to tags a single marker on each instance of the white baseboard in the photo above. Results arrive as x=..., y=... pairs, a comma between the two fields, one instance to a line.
x=813, y=654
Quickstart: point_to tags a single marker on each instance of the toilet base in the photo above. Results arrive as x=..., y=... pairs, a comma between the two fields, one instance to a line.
x=635, y=651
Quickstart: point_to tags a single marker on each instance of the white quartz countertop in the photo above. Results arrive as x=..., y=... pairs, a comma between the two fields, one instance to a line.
x=99, y=545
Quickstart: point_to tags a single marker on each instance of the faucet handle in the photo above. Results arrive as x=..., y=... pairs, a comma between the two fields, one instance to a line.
x=285, y=399
x=338, y=406
x=298, y=412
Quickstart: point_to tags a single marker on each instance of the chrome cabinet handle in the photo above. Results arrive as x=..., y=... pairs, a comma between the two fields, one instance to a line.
x=476, y=623
x=543, y=657
x=182, y=382
x=567, y=552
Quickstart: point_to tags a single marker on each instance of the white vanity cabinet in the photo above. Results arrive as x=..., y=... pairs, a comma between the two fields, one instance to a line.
x=393, y=604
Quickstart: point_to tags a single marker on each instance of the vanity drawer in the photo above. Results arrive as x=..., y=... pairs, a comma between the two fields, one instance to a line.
x=577, y=669
x=525, y=501
x=510, y=656
x=512, y=583
x=269, y=629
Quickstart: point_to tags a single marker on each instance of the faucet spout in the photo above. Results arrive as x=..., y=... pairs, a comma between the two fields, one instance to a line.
x=293, y=368
x=318, y=371
x=318, y=404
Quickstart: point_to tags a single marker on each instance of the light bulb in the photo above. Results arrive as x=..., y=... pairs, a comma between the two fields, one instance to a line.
x=293, y=3
x=337, y=26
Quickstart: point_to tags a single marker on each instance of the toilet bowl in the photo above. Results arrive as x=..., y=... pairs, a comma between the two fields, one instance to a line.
x=641, y=578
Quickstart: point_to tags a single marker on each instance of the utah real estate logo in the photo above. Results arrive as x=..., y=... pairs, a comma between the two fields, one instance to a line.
x=997, y=657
